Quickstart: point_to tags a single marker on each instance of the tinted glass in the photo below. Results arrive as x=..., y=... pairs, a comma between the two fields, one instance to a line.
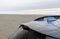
x=47, y=17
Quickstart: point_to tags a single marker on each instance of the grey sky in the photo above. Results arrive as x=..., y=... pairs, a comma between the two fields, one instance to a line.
x=13, y=5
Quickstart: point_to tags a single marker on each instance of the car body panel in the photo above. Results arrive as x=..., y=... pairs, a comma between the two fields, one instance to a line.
x=44, y=28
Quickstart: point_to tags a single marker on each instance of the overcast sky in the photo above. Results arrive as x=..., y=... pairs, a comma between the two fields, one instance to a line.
x=13, y=5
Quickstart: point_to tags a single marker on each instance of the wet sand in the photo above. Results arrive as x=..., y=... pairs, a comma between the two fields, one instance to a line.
x=10, y=23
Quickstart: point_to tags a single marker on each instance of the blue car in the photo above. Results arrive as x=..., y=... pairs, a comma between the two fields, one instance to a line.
x=46, y=27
